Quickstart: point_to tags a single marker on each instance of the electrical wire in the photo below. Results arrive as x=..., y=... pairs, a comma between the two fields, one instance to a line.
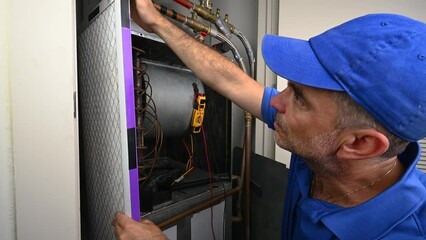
x=183, y=176
x=190, y=152
x=210, y=178
x=224, y=211
x=189, y=168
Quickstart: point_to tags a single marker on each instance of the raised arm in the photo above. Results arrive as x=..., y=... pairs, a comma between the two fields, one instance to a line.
x=210, y=67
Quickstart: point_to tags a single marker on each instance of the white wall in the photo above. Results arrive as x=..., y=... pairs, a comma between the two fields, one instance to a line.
x=306, y=18
x=7, y=201
x=267, y=24
x=41, y=71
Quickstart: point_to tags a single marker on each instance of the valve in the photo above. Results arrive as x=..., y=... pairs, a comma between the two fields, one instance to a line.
x=218, y=13
x=207, y=4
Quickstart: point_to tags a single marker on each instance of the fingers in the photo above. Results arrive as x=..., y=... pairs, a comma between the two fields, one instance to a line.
x=144, y=14
x=146, y=221
x=128, y=229
x=117, y=231
x=121, y=220
x=122, y=223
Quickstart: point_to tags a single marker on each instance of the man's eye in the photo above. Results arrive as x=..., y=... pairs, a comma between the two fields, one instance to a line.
x=298, y=98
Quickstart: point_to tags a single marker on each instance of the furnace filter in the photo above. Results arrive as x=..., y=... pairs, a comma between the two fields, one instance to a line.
x=172, y=90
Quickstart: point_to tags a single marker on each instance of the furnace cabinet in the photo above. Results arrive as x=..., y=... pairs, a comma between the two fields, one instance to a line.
x=139, y=107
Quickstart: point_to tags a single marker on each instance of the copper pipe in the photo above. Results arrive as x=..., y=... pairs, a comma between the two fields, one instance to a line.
x=139, y=99
x=196, y=208
x=205, y=13
x=200, y=27
x=200, y=10
x=195, y=25
x=209, y=16
x=169, y=12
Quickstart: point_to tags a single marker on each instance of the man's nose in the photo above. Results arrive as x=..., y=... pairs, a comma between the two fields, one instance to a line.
x=279, y=102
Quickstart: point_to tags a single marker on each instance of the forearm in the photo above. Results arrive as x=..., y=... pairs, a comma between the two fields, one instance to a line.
x=209, y=66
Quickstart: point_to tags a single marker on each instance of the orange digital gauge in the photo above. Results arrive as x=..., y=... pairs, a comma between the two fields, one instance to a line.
x=198, y=112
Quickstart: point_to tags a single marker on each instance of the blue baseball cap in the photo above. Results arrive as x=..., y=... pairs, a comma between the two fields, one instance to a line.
x=378, y=59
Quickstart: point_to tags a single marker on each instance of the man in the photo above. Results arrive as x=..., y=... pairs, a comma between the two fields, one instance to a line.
x=351, y=115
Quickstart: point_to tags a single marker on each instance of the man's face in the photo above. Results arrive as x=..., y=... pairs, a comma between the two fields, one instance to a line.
x=305, y=122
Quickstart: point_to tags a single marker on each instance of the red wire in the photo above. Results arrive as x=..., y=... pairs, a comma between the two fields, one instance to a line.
x=184, y=3
x=210, y=178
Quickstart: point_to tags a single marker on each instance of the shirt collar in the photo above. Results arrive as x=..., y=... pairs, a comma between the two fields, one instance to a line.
x=356, y=222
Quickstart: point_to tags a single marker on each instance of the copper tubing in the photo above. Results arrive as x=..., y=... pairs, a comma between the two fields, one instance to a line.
x=143, y=102
x=195, y=25
x=139, y=99
x=209, y=16
x=200, y=27
x=170, y=13
x=204, y=13
x=201, y=11
x=208, y=203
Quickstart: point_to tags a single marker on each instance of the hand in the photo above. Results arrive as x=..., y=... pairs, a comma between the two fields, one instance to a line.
x=128, y=229
x=144, y=14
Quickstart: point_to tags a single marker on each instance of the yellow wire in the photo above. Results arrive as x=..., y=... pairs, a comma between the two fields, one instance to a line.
x=191, y=153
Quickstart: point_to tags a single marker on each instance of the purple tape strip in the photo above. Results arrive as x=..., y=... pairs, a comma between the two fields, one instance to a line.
x=134, y=194
x=131, y=121
x=128, y=77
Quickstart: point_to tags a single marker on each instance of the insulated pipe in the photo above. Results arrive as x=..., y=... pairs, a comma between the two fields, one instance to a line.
x=248, y=48
x=234, y=50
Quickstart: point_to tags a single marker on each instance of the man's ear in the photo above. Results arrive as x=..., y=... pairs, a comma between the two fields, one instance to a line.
x=362, y=144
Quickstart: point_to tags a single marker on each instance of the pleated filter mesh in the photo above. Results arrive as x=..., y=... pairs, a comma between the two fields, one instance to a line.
x=422, y=163
x=100, y=123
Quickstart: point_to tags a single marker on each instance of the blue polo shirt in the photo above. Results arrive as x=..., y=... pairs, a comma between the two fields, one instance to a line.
x=397, y=213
